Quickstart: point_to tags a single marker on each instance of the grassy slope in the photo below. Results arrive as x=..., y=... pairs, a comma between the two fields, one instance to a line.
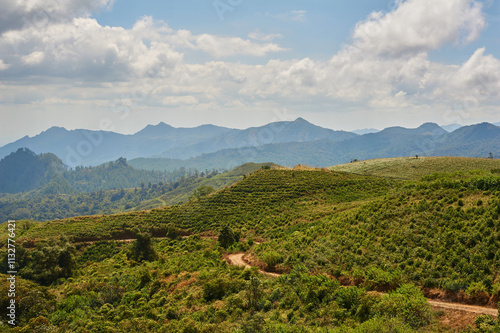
x=443, y=231
x=415, y=168
x=266, y=200
x=45, y=208
x=181, y=195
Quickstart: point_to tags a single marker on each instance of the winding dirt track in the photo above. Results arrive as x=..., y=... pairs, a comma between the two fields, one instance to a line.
x=237, y=259
x=462, y=307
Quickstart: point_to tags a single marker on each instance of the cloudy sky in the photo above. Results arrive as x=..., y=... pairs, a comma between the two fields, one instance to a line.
x=120, y=65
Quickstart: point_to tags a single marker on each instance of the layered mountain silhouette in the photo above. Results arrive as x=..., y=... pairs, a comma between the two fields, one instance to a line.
x=83, y=147
x=426, y=140
x=163, y=147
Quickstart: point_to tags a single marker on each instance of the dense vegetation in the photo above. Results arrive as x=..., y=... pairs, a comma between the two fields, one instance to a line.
x=24, y=171
x=188, y=288
x=321, y=229
x=44, y=207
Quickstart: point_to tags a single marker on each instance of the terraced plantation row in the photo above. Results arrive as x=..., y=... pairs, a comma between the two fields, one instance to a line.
x=266, y=197
x=426, y=233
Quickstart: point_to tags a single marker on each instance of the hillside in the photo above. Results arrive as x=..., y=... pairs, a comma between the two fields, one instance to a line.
x=415, y=168
x=320, y=228
x=24, y=171
x=44, y=207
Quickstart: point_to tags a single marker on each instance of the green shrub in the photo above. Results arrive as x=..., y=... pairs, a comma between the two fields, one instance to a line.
x=349, y=298
x=215, y=288
x=254, y=293
x=272, y=258
x=476, y=289
x=142, y=248
x=486, y=324
x=407, y=303
x=99, y=251
x=227, y=237
x=383, y=325
x=49, y=262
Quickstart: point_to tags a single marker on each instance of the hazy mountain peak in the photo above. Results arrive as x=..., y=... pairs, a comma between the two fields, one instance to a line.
x=301, y=120
x=430, y=126
x=431, y=129
x=155, y=129
x=56, y=129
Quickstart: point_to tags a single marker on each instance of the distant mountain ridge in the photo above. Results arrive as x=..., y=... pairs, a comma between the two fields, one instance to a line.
x=24, y=171
x=365, y=131
x=427, y=140
x=287, y=143
x=88, y=148
x=299, y=130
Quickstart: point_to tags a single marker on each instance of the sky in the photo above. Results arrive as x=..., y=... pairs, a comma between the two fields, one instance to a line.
x=120, y=65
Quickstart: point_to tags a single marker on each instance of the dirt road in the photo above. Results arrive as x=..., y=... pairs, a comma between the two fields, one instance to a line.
x=463, y=307
x=237, y=259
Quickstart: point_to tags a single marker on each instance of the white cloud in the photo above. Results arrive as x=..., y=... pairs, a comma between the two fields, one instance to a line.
x=179, y=100
x=33, y=58
x=227, y=46
x=419, y=26
x=264, y=37
x=20, y=14
x=385, y=69
x=298, y=15
x=219, y=47
x=83, y=48
x=3, y=65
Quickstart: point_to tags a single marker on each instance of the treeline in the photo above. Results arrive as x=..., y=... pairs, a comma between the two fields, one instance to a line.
x=24, y=171
x=43, y=206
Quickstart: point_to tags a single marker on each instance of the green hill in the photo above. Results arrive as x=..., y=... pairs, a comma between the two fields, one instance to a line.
x=320, y=228
x=44, y=207
x=415, y=168
x=24, y=171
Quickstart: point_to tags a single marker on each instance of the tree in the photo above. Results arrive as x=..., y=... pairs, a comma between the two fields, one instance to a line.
x=202, y=191
x=227, y=237
x=50, y=262
x=142, y=248
x=407, y=303
x=254, y=293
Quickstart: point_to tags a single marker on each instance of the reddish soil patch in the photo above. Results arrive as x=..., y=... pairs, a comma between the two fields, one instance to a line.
x=455, y=320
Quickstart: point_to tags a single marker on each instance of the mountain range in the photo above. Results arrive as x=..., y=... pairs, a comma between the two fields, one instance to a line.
x=163, y=147
x=87, y=148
